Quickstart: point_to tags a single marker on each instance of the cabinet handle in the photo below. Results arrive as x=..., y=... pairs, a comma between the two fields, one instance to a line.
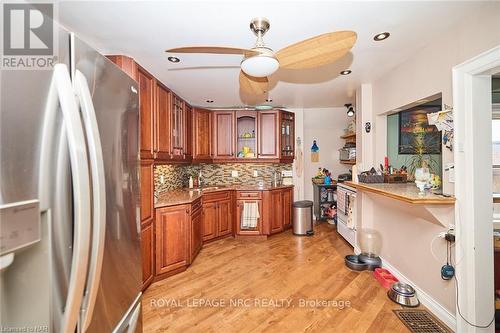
x=187, y=210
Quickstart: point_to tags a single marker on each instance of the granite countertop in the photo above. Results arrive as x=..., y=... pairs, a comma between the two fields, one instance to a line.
x=406, y=192
x=186, y=195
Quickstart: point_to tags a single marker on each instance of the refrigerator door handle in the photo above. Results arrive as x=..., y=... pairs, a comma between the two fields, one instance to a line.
x=99, y=199
x=61, y=91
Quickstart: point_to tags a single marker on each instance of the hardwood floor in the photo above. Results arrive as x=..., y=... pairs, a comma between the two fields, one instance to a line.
x=284, y=267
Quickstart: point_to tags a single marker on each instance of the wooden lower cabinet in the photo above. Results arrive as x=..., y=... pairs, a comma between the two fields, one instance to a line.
x=196, y=240
x=172, y=238
x=276, y=213
x=240, y=204
x=147, y=250
x=287, y=201
x=210, y=216
x=217, y=215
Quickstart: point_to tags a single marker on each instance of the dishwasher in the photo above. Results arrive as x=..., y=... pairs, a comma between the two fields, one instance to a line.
x=346, y=213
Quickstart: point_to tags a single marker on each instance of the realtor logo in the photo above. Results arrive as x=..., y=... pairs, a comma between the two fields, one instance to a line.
x=28, y=36
x=28, y=29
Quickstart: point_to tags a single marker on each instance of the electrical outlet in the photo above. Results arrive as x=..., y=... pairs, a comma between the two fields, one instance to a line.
x=234, y=173
x=255, y=173
x=162, y=179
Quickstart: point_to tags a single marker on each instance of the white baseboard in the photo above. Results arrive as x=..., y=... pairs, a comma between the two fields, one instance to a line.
x=437, y=309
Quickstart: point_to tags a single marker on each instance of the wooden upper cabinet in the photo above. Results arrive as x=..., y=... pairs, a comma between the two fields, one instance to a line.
x=163, y=126
x=146, y=100
x=224, y=134
x=127, y=64
x=267, y=134
x=201, y=135
x=172, y=241
x=187, y=131
x=287, y=136
x=178, y=127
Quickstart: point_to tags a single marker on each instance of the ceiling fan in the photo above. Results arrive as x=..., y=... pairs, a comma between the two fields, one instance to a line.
x=261, y=61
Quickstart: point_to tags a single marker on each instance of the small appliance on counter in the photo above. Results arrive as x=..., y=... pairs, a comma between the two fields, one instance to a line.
x=286, y=177
x=344, y=177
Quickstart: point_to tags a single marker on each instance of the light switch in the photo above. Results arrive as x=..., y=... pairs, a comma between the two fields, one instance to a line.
x=162, y=179
x=234, y=173
x=255, y=173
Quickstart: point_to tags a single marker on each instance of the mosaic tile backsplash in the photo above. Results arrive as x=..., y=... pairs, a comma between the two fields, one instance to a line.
x=177, y=176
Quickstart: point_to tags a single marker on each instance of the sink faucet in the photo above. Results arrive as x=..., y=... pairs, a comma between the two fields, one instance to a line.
x=200, y=180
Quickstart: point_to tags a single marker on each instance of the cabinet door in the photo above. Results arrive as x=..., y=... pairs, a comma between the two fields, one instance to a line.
x=224, y=135
x=287, y=136
x=276, y=213
x=287, y=199
x=187, y=131
x=240, y=204
x=210, y=216
x=224, y=222
x=163, y=128
x=147, y=249
x=201, y=134
x=196, y=234
x=127, y=64
x=146, y=192
x=146, y=102
x=268, y=134
x=171, y=238
x=178, y=123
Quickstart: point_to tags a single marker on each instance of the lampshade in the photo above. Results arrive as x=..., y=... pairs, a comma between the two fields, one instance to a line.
x=260, y=65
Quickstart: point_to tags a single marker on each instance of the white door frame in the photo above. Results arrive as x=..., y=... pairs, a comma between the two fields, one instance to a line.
x=473, y=190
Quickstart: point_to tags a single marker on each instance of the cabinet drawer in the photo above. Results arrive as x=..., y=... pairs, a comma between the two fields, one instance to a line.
x=195, y=206
x=216, y=196
x=249, y=195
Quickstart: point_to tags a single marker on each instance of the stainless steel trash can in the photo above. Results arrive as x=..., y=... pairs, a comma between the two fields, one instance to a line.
x=302, y=218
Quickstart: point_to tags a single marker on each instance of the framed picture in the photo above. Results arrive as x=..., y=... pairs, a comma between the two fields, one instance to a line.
x=416, y=136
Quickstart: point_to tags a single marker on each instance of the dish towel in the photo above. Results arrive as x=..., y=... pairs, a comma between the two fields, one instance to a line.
x=250, y=215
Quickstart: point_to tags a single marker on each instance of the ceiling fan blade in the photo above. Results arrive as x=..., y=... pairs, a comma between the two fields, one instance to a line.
x=253, y=85
x=317, y=51
x=213, y=49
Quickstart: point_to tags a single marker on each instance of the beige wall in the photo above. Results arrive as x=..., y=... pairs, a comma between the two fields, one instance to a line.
x=408, y=235
x=325, y=126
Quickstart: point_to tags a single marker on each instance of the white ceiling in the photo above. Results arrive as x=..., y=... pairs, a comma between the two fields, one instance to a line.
x=144, y=29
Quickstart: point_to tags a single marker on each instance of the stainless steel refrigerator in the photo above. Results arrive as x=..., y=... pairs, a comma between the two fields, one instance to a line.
x=70, y=256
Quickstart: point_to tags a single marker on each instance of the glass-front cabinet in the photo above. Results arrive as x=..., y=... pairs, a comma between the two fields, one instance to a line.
x=177, y=126
x=287, y=139
x=246, y=138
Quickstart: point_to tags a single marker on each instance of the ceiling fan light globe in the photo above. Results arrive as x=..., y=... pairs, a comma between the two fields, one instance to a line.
x=260, y=65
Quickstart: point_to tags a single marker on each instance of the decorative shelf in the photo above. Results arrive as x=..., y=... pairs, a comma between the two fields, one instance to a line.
x=348, y=136
x=348, y=162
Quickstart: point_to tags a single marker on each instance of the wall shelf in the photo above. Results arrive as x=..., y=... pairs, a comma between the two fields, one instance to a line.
x=348, y=136
x=348, y=162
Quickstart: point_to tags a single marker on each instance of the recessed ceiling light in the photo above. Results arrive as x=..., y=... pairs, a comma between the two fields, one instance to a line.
x=269, y=100
x=381, y=36
x=174, y=59
x=209, y=101
x=346, y=72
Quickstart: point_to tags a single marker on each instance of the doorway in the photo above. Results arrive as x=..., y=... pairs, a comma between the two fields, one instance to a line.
x=472, y=99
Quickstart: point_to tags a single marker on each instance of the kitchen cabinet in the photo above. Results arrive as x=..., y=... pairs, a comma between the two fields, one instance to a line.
x=287, y=136
x=276, y=214
x=147, y=188
x=146, y=83
x=224, y=135
x=178, y=128
x=126, y=64
x=287, y=201
x=172, y=238
x=248, y=197
x=217, y=215
x=147, y=250
x=196, y=240
x=246, y=137
x=163, y=137
x=268, y=122
x=201, y=135
x=187, y=132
